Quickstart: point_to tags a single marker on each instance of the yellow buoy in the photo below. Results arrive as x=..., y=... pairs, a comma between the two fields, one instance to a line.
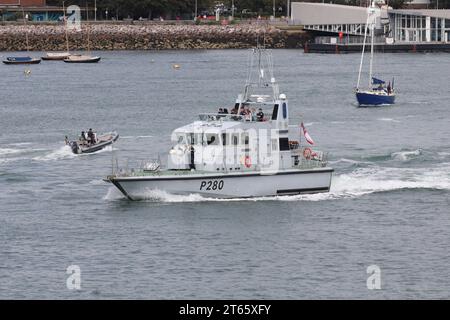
x=176, y=66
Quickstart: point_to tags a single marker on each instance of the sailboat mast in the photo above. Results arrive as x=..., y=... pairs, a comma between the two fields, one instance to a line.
x=372, y=36
x=371, y=52
x=362, y=54
x=65, y=26
x=87, y=27
x=26, y=31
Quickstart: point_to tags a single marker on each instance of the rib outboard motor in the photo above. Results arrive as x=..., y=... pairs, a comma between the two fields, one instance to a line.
x=75, y=147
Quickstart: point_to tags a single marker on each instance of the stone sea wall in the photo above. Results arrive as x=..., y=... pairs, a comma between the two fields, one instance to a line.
x=146, y=37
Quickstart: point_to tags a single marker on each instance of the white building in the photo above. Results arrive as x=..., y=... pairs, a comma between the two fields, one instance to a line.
x=403, y=25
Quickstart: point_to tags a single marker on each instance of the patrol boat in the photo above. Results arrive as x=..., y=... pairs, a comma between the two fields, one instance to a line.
x=240, y=154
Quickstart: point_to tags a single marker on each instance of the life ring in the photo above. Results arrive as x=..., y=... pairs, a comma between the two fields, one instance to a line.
x=307, y=153
x=247, y=162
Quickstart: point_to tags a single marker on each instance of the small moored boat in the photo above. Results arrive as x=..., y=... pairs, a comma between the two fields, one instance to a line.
x=87, y=58
x=82, y=145
x=81, y=59
x=56, y=56
x=21, y=60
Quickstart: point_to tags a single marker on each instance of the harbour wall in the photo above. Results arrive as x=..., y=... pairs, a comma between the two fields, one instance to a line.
x=147, y=37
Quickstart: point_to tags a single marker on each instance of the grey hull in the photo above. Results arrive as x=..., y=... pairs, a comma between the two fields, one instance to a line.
x=236, y=185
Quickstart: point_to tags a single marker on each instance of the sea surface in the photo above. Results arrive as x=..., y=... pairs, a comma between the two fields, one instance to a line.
x=388, y=205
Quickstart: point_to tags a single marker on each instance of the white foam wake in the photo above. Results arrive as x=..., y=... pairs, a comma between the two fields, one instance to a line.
x=388, y=120
x=136, y=137
x=61, y=153
x=9, y=151
x=406, y=155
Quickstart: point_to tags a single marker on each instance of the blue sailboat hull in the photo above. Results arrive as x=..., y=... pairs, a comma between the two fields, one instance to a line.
x=374, y=99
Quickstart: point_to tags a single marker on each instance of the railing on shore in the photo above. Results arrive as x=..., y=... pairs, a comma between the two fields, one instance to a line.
x=348, y=40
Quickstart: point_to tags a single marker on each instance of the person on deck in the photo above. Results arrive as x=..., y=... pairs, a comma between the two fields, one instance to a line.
x=260, y=115
x=83, y=136
x=91, y=136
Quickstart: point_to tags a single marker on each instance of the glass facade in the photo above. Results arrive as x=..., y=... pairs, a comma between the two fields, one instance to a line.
x=415, y=28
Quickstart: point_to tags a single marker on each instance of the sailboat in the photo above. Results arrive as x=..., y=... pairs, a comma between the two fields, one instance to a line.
x=23, y=60
x=377, y=93
x=84, y=58
x=58, y=56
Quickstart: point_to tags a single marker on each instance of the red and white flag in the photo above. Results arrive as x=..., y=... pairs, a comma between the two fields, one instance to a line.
x=307, y=136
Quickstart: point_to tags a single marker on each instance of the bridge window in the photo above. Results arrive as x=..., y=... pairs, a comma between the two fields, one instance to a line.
x=275, y=112
x=235, y=139
x=212, y=139
x=245, y=139
x=284, y=111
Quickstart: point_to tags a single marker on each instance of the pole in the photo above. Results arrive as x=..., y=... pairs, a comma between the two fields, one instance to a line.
x=65, y=27
x=196, y=8
x=288, y=9
x=232, y=9
x=274, y=9
x=95, y=9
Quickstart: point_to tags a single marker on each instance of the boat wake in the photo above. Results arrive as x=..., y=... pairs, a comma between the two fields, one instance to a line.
x=388, y=120
x=17, y=152
x=406, y=155
x=61, y=153
x=136, y=137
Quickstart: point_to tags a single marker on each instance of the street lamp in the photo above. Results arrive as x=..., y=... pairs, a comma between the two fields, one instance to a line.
x=106, y=13
x=95, y=10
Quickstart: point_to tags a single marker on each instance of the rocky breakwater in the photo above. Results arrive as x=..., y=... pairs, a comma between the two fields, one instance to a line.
x=146, y=37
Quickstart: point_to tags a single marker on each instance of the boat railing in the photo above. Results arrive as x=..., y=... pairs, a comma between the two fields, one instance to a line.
x=307, y=158
x=233, y=117
x=125, y=168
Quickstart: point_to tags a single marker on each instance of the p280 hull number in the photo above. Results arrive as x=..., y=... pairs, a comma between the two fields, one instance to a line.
x=211, y=185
